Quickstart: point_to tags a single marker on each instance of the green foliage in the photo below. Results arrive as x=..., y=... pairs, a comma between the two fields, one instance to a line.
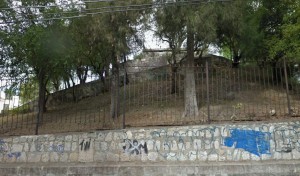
x=29, y=90
x=276, y=21
x=289, y=41
x=139, y=56
x=225, y=51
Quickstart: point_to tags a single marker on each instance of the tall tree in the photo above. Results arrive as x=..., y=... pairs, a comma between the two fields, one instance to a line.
x=238, y=29
x=194, y=24
x=286, y=41
x=171, y=28
x=271, y=15
x=118, y=29
x=36, y=47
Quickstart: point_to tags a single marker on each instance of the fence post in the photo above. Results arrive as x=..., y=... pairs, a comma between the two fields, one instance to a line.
x=207, y=91
x=37, y=121
x=287, y=88
x=124, y=98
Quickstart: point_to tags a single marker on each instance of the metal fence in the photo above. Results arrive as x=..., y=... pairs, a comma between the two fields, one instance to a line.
x=149, y=96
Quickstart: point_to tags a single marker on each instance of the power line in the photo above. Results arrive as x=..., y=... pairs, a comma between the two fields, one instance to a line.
x=54, y=5
x=113, y=9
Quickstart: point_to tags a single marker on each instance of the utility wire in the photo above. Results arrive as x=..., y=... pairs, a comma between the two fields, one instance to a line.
x=113, y=9
x=55, y=5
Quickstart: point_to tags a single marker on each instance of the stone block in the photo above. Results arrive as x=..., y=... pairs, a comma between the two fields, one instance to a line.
x=26, y=147
x=202, y=155
x=217, y=145
x=174, y=145
x=150, y=145
x=197, y=144
x=157, y=145
x=67, y=146
x=74, y=146
x=54, y=157
x=99, y=156
x=152, y=156
x=124, y=157
x=128, y=134
x=86, y=156
x=213, y=157
x=100, y=136
x=296, y=154
x=112, y=157
x=51, y=138
x=34, y=157
x=75, y=138
x=68, y=138
x=45, y=157
x=266, y=157
x=134, y=157
x=16, y=139
x=64, y=157
x=92, y=135
x=73, y=157
x=17, y=148
x=217, y=132
x=277, y=156
x=109, y=136
x=236, y=155
x=22, y=158
x=192, y=155
x=286, y=156
x=245, y=155
x=254, y=157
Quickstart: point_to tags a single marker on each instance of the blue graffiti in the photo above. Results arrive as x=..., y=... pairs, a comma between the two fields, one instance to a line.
x=14, y=154
x=255, y=142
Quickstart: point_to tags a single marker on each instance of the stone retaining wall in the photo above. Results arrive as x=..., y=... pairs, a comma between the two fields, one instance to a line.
x=221, y=143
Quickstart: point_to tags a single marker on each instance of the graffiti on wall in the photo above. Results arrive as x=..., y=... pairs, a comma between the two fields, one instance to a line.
x=3, y=146
x=175, y=144
x=255, y=142
x=135, y=147
x=85, y=145
x=14, y=155
x=44, y=146
x=58, y=148
x=287, y=139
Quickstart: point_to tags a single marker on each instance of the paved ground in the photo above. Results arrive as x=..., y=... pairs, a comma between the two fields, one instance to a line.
x=274, y=168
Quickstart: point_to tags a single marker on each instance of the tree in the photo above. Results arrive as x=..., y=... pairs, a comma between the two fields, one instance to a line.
x=271, y=19
x=287, y=42
x=91, y=51
x=238, y=30
x=37, y=48
x=171, y=28
x=197, y=26
x=118, y=29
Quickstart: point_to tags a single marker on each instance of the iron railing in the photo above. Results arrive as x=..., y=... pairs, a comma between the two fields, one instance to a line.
x=151, y=96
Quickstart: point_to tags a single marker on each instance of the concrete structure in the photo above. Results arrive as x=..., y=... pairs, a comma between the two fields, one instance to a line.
x=230, y=149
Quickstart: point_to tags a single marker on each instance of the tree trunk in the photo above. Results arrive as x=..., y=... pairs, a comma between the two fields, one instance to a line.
x=82, y=74
x=174, y=68
x=173, y=78
x=104, y=87
x=125, y=71
x=114, y=88
x=190, y=100
x=41, y=99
